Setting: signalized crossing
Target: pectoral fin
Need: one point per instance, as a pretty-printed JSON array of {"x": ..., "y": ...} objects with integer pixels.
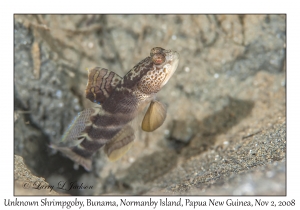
[
  {"x": 120, "y": 144},
  {"x": 154, "y": 117},
  {"x": 101, "y": 82}
]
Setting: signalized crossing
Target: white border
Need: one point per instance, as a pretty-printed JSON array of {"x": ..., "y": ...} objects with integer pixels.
[{"x": 151, "y": 6}]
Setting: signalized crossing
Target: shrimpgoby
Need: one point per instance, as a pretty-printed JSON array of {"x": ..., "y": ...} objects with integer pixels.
[{"x": 121, "y": 99}]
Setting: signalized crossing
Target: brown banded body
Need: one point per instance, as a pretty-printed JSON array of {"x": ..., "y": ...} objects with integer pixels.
[{"x": 119, "y": 101}]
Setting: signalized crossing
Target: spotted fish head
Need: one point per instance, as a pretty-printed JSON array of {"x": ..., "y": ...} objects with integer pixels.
[{"x": 163, "y": 64}]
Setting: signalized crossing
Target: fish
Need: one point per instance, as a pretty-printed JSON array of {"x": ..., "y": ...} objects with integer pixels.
[{"x": 119, "y": 101}]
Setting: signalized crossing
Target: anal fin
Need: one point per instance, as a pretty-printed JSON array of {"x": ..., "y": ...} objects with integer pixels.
[{"x": 120, "y": 144}]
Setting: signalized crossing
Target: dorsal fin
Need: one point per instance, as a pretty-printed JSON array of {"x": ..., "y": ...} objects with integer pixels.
[
  {"x": 78, "y": 125},
  {"x": 101, "y": 83}
]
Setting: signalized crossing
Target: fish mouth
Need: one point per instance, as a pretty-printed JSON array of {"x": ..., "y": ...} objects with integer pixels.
[
  {"x": 175, "y": 61},
  {"x": 172, "y": 65}
]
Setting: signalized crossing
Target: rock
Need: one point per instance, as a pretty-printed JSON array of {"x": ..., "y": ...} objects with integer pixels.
[{"x": 28, "y": 184}]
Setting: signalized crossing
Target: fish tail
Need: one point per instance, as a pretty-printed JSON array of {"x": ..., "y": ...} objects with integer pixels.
[{"x": 77, "y": 154}]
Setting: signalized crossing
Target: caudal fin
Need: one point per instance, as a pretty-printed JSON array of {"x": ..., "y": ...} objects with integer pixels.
[{"x": 67, "y": 151}]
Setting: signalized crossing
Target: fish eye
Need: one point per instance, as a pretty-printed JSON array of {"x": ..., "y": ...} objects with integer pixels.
[
  {"x": 158, "y": 59},
  {"x": 156, "y": 50}
]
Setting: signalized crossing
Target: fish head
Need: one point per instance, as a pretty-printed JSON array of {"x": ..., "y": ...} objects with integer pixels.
[{"x": 163, "y": 65}]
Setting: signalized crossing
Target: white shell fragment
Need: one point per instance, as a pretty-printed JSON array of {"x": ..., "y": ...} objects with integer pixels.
[{"x": 154, "y": 117}]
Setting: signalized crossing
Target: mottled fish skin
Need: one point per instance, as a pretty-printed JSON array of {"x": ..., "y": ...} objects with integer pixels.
[
  {"x": 121, "y": 100},
  {"x": 101, "y": 82}
]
